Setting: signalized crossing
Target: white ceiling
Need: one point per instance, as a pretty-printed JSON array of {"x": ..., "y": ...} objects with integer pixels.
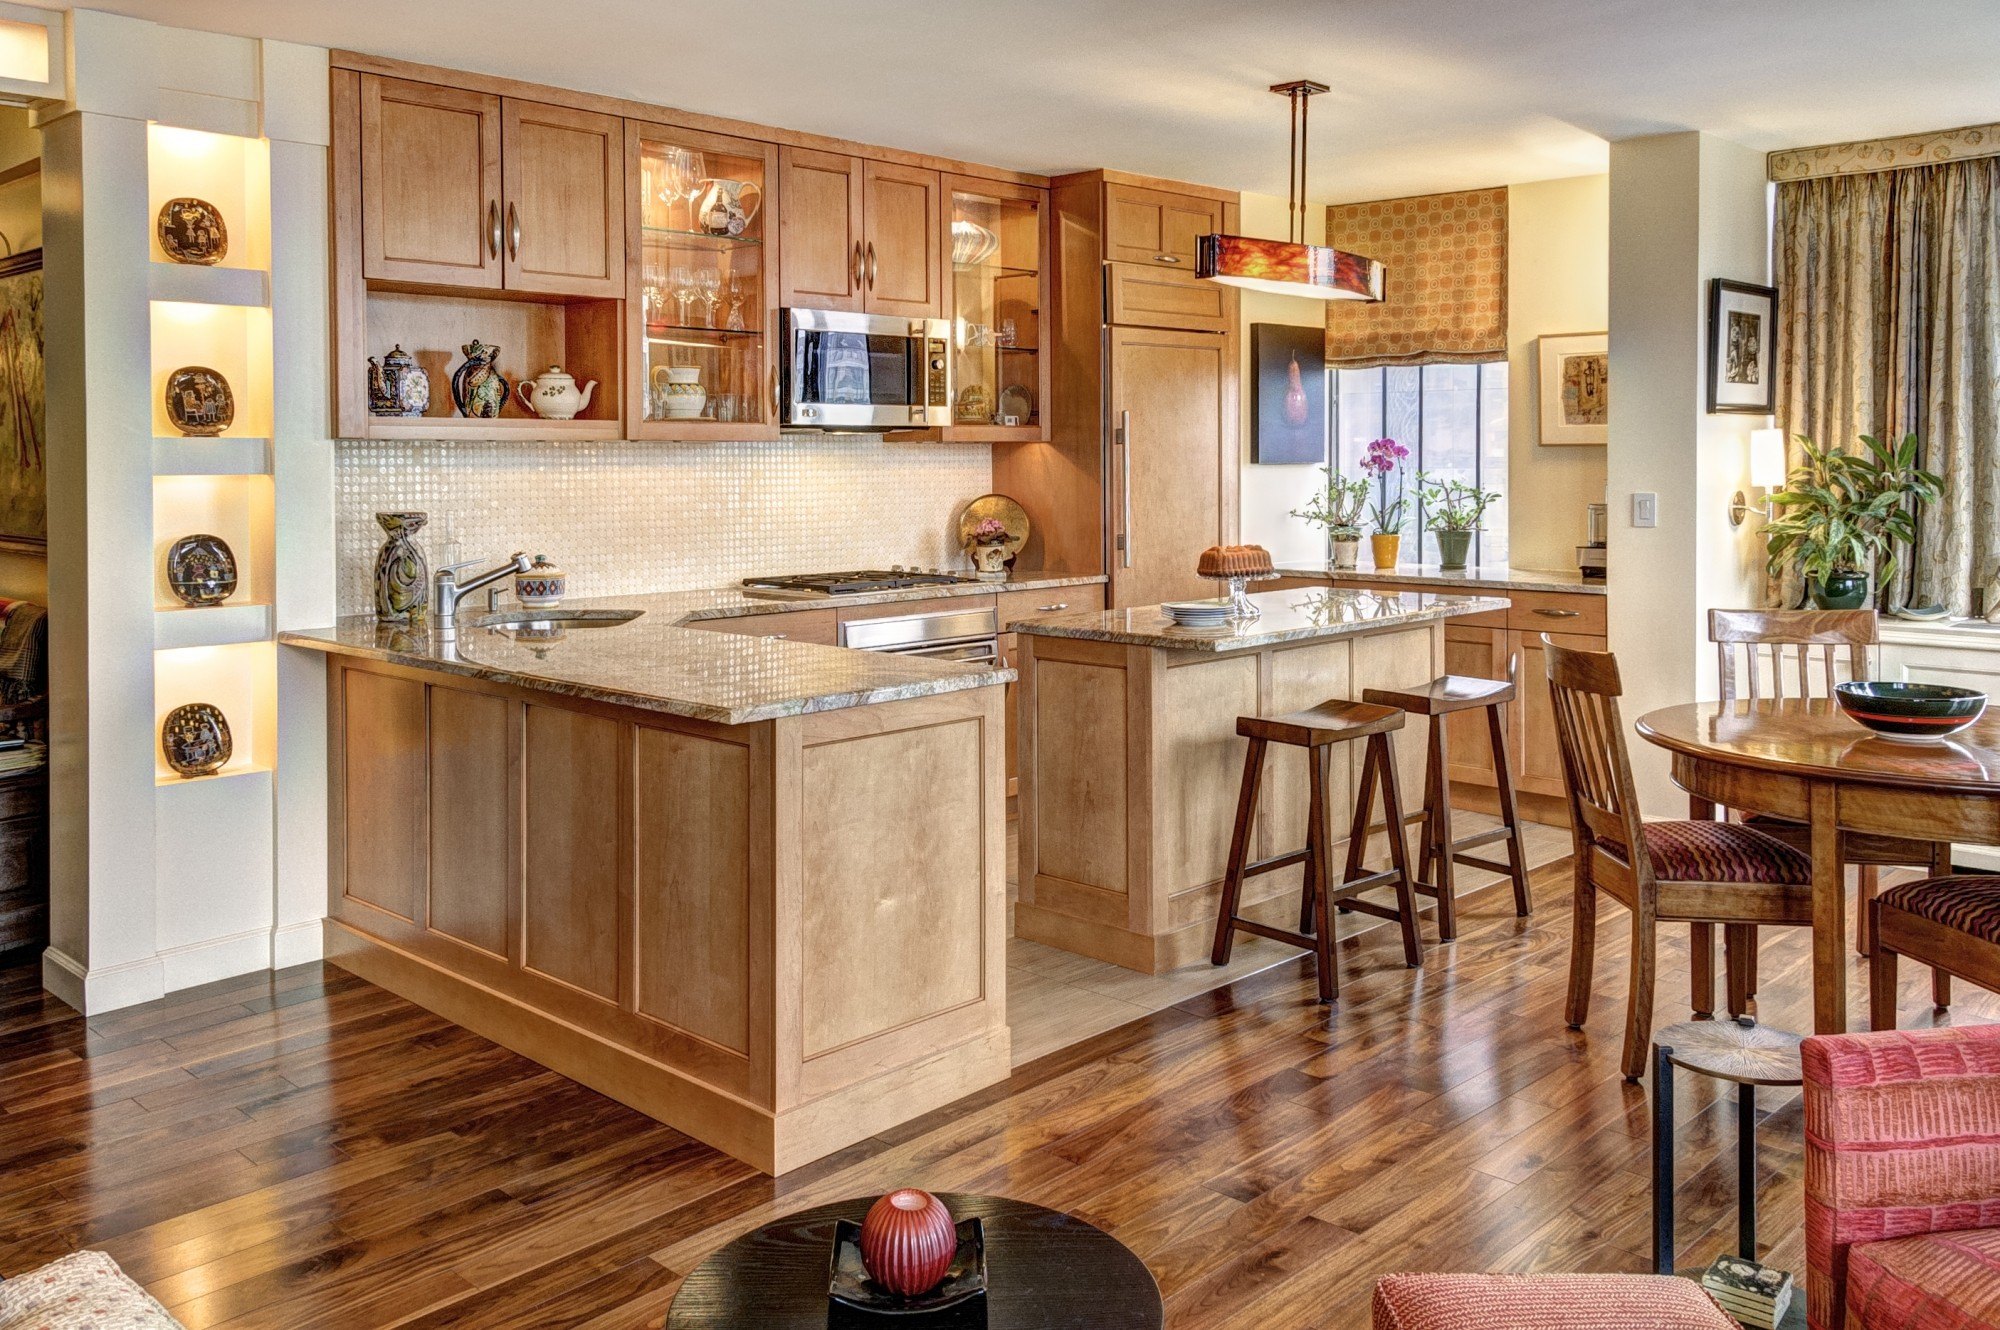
[{"x": 1428, "y": 94}]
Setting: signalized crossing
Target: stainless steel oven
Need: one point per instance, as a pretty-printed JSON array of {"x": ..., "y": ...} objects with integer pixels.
[
  {"x": 864, "y": 371},
  {"x": 972, "y": 636}
]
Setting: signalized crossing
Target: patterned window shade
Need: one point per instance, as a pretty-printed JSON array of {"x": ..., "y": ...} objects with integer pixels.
[{"x": 1445, "y": 300}]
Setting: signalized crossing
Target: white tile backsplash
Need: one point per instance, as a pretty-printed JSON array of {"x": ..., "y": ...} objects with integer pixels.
[{"x": 624, "y": 517}]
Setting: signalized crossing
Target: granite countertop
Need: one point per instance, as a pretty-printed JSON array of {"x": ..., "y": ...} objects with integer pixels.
[
  {"x": 1491, "y": 577},
  {"x": 656, "y": 663},
  {"x": 1288, "y": 616}
]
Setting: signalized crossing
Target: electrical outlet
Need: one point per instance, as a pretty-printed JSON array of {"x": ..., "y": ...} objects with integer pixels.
[{"x": 1645, "y": 510}]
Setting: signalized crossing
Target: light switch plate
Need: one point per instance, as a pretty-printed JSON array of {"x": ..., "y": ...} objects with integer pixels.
[{"x": 1645, "y": 510}]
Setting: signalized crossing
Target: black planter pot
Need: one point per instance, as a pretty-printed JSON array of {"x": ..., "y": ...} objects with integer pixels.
[{"x": 1840, "y": 591}]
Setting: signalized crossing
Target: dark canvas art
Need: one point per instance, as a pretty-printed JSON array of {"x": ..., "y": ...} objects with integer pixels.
[
  {"x": 1288, "y": 412},
  {"x": 24, "y": 519}
]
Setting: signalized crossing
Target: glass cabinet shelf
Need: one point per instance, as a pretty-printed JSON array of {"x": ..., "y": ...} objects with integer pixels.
[
  {"x": 669, "y": 235},
  {"x": 998, "y": 234}
]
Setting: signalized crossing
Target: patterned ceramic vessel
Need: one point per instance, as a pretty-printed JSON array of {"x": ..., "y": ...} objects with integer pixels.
[
  {"x": 1911, "y": 713},
  {"x": 543, "y": 585},
  {"x": 199, "y": 402},
  {"x": 191, "y": 231},
  {"x": 478, "y": 389},
  {"x": 554, "y": 395},
  {"x": 402, "y": 577},
  {"x": 195, "y": 739},
  {"x": 201, "y": 570},
  {"x": 397, "y": 385},
  {"x": 685, "y": 398},
  {"x": 907, "y": 1241}
]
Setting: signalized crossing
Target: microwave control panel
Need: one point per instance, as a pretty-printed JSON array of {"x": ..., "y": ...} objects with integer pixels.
[{"x": 939, "y": 393}]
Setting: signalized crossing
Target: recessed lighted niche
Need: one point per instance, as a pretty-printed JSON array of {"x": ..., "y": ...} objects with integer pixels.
[
  {"x": 231, "y": 173},
  {"x": 240, "y": 680}
]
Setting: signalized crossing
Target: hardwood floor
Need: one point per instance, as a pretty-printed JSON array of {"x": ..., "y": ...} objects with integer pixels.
[{"x": 306, "y": 1150}]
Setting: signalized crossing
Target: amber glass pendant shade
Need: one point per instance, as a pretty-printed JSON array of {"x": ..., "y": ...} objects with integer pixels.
[{"x": 1287, "y": 268}]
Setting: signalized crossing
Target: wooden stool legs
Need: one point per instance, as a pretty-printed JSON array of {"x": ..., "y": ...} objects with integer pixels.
[{"x": 1443, "y": 850}]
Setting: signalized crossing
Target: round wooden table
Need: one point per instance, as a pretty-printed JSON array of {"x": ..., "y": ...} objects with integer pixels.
[
  {"x": 1804, "y": 759},
  {"x": 1044, "y": 1269}
]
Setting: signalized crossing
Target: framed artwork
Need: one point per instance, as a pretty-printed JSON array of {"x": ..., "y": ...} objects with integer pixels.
[
  {"x": 1742, "y": 348},
  {"x": 24, "y": 514},
  {"x": 1574, "y": 372},
  {"x": 1288, "y": 410}
]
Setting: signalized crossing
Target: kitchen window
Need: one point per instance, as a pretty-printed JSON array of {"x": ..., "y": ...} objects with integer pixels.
[{"x": 1452, "y": 418}]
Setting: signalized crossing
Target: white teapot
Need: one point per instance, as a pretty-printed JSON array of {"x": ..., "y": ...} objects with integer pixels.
[{"x": 554, "y": 395}]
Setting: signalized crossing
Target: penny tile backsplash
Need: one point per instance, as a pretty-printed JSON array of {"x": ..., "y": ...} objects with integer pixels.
[{"x": 627, "y": 517}]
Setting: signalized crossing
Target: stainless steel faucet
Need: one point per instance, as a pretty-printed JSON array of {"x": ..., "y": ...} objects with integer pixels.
[{"x": 447, "y": 590}]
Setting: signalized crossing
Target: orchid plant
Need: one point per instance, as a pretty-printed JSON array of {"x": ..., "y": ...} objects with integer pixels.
[
  {"x": 1385, "y": 458},
  {"x": 1338, "y": 506}
]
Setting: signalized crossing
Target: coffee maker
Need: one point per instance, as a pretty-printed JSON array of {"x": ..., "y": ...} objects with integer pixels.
[{"x": 1590, "y": 555}]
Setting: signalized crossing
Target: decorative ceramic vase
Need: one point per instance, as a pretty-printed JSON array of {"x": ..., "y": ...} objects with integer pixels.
[
  {"x": 685, "y": 398},
  {"x": 195, "y": 739},
  {"x": 554, "y": 394},
  {"x": 478, "y": 389},
  {"x": 1346, "y": 553},
  {"x": 397, "y": 385},
  {"x": 990, "y": 560},
  {"x": 1453, "y": 547},
  {"x": 1840, "y": 591},
  {"x": 191, "y": 231},
  {"x": 1387, "y": 547},
  {"x": 199, "y": 402},
  {"x": 543, "y": 585},
  {"x": 720, "y": 208},
  {"x": 402, "y": 578},
  {"x": 201, "y": 570},
  {"x": 907, "y": 1241}
]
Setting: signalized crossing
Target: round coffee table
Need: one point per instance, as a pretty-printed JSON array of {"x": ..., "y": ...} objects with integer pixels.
[{"x": 1044, "y": 1269}]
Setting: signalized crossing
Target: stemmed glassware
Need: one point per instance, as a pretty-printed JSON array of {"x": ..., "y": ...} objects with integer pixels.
[
  {"x": 681, "y": 279},
  {"x": 682, "y": 172},
  {"x": 708, "y": 287},
  {"x": 735, "y": 323}
]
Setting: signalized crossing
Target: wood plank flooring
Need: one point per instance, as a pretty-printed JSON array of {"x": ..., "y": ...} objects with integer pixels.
[{"x": 306, "y": 1150}]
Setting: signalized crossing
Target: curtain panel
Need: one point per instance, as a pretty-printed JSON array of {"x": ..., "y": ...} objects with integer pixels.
[
  {"x": 1445, "y": 292},
  {"x": 1889, "y": 300}
]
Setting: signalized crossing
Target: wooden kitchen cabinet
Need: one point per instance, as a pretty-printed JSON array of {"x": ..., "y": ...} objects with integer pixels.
[
  {"x": 1474, "y": 653},
  {"x": 1156, "y": 226},
  {"x": 1538, "y": 756},
  {"x": 1173, "y": 482},
  {"x": 860, "y": 235},
  {"x": 563, "y": 173},
  {"x": 1148, "y": 296},
  {"x": 815, "y": 626},
  {"x": 430, "y": 184},
  {"x": 902, "y": 260},
  {"x": 995, "y": 239}
]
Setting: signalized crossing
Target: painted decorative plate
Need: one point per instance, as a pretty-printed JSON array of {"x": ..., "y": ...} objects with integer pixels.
[
  {"x": 191, "y": 231},
  {"x": 201, "y": 569},
  {"x": 1000, "y": 506},
  {"x": 199, "y": 401}
]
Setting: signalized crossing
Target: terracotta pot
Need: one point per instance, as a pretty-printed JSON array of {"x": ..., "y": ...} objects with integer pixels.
[
  {"x": 907, "y": 1241},
  {"x": 1387, "y": 548}
]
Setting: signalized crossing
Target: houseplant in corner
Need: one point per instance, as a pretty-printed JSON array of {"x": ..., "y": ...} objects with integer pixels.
[
  {"x": 1338, "y": 507},
  {"x": 1843, "y": 515},
  {"x": 1385, "y": 458},
  {"x": 1452, "y": 510}
]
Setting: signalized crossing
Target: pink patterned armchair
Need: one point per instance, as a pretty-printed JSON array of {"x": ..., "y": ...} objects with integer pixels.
[{"x": 1903, "y": 1179}]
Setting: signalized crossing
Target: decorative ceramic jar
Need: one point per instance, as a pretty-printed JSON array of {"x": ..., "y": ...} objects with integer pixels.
[
  {"x": 201, "y": 570},
  {"x": 397, "y": 385},
  {"x": 191, "y": 231},
  {"x": 195, "y": 739},
  {"x": 719, "y": 206},
  {"x": 199, "y": 402},
  {"x": 1453, "y": 548},
  {"x": 684, "y": 397},
  {"x": 990, "y": 546},
  {"x": 1387, "y": 547},
  {"x": 542, "y": 586},
  {"x": 554, "y": 395},
  {"x": 402, "y": 578},
  {"x": 478, "y": 389},
  {"x": 1840, "y": 591},
  {"x": 907, "y": 1241}
]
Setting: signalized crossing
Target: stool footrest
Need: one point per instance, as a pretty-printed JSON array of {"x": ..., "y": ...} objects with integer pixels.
[
  {"x": 1490, "y": 865},
  {"x": 1478, "y": 838},
  {"x": 1370, "y": 907},
  {"x": 1274, "y": 863},
  {"x": 1273, "y": 932}
]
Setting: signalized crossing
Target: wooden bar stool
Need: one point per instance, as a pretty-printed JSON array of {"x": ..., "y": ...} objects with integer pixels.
[
  {"x": 1319, "y": 730},
  {"x": 1442, "y": 851}
]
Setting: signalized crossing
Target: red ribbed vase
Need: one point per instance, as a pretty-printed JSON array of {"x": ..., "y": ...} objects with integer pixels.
[{"x": 907, "y": 1241}]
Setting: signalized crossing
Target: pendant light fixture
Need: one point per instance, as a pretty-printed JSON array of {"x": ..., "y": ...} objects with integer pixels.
[{"x": 1290, "y": 267}]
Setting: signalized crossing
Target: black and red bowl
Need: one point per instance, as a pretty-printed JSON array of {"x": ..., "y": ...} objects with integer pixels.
[{"x": 1911, "y": 712}]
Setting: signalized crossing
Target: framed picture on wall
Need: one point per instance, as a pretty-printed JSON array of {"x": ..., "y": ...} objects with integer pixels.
[
  {"x": 24, "y": 519},
  {"x": 1742, "y": 347},
  {"x": 1288, "y": 412},
  {"x": 1573, "y": 371}
]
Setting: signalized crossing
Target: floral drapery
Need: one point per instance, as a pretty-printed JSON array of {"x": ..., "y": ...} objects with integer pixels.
[
  {"x": 1445, "y": 293},
  {"x": 1889, "y": 301}
]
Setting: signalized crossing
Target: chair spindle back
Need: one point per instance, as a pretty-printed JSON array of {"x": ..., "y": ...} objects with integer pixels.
[
  {"x": 1584, "y": 689},
  {"x": 1810, "y": 642}
]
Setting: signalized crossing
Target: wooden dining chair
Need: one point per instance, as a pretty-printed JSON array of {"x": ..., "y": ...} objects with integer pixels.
[
  {"x": 1691, "y": 872},
  {"x": 1811, "y": 647}
]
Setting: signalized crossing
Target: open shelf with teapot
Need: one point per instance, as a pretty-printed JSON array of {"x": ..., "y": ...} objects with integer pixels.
[
  {"x": 702, "y": 288},
  {"x": 997, "y": 239}
]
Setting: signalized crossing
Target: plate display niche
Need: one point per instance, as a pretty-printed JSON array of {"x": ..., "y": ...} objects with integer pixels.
[
  {"x": 195, "y": 739},
  {"x": 201, "y": 570},
  {"x": 199, "y": 402}
]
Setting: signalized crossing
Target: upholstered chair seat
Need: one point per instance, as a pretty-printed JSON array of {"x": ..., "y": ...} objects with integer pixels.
[
  {"x": 1544, "y": 1302},
  {"x": 1941, "y": 1279},
  {"x": 1723, "y": 852},
  {"x": 1967, "y": 902}
]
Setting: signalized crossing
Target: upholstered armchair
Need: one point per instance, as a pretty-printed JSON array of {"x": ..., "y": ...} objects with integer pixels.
[{"x": 1903, "y": 1179}]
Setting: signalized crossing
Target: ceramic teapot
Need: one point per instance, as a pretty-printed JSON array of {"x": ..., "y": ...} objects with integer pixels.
[
  {"x": 720, "y": 207},
  {"x": 554, "y": 395}
]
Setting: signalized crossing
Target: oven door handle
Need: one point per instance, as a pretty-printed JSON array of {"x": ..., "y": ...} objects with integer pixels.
[{"x": 970, "y": 653}]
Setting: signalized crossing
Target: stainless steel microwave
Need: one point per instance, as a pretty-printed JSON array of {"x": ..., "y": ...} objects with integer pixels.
[{"x": 864, "y": 371}]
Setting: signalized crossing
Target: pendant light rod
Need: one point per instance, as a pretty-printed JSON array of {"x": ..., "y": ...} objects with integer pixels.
[{"x": 1298, "y": 92}]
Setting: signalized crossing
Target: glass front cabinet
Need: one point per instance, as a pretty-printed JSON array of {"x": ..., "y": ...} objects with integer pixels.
[
  {"x": 702, "y": 276},
  {"x": 999, "y": 293}
]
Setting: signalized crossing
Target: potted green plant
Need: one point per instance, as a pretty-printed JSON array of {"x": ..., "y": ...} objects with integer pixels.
[
  {"x": 1385, "y": 458},
  {"x": 1452, "y": 510},
  {"x": 1338, "y": 507},
  {"x": 1843, "y": 514}
]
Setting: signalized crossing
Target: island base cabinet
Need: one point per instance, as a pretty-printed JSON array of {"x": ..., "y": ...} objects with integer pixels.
[{"x": 780, "y": 938}]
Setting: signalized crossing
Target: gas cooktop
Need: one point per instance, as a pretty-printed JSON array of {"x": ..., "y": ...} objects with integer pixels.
[{"x": 855, "y": 583}]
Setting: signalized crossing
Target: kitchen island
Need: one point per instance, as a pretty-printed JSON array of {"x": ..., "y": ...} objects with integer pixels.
[
  {"x": 1130, "y": 763},
  {"x": 754, "y": 887}
]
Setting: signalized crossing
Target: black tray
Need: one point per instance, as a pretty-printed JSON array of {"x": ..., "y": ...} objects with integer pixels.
[{"x": 959, "y": 1301}]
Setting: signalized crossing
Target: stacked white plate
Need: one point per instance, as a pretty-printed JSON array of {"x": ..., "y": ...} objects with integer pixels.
[{"x": 1198, "y": 613}]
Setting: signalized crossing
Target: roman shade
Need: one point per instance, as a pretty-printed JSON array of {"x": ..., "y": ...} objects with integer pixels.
[{"x": 1446, "y": 296}]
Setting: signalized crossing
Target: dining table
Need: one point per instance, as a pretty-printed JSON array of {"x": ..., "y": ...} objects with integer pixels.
[{"x": 1806, "y": 760}]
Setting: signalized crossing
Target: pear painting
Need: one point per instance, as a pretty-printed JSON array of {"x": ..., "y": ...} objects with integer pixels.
[
  {"x": 1288, "y": 410},
  {"x": 1296, "y": 410}
]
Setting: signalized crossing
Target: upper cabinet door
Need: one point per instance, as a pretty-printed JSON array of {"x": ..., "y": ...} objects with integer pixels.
[
  {"x": 564, "y": 229},
  {"x": 902, "y": 266},
  {"x": 1155, "y": 226},
  {"x": 819, "y": 227},
  {"x": 430, "y": 183}
]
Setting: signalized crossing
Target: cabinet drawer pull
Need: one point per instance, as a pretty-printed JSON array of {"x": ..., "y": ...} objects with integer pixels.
[
  {"x": 1560, "y": 614},
  {"x": 493, "y": 227},
  {"x": 513, "y": 232},
  {"x": 871, "y": 265},
  {"x": 777, "y": 404},
  {"x": 1166, "y": 258},
  {"x": 857, "y": 265},
  {"x": 1052, "y": 609},
  {"x": 1125, "y": 486}
]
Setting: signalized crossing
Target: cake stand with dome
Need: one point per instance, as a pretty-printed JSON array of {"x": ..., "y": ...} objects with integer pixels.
[{"x": 1235, "y": 567}]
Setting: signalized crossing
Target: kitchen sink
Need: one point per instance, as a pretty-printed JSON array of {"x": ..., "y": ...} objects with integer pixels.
[{"x": 543, "y": 623}]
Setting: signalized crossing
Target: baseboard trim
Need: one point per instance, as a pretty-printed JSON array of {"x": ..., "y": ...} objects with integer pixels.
[
  {"x": 298, "y": 944},
  {"x": 110, "y": 988}
]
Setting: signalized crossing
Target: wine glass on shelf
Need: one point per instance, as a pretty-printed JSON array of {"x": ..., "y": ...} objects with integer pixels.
[
  {"x": 680, "y": 172},
  {"x": 681, "y": 280},
  {"x": 735, "y": 321},
  {"x": 708, "y": 286}
]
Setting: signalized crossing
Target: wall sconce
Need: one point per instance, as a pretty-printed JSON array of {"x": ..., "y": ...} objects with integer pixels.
[{"x": 1767, "y": 473}]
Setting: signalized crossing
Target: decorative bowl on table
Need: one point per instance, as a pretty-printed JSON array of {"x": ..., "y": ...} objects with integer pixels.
[{"x": 1908, "y": 713}]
